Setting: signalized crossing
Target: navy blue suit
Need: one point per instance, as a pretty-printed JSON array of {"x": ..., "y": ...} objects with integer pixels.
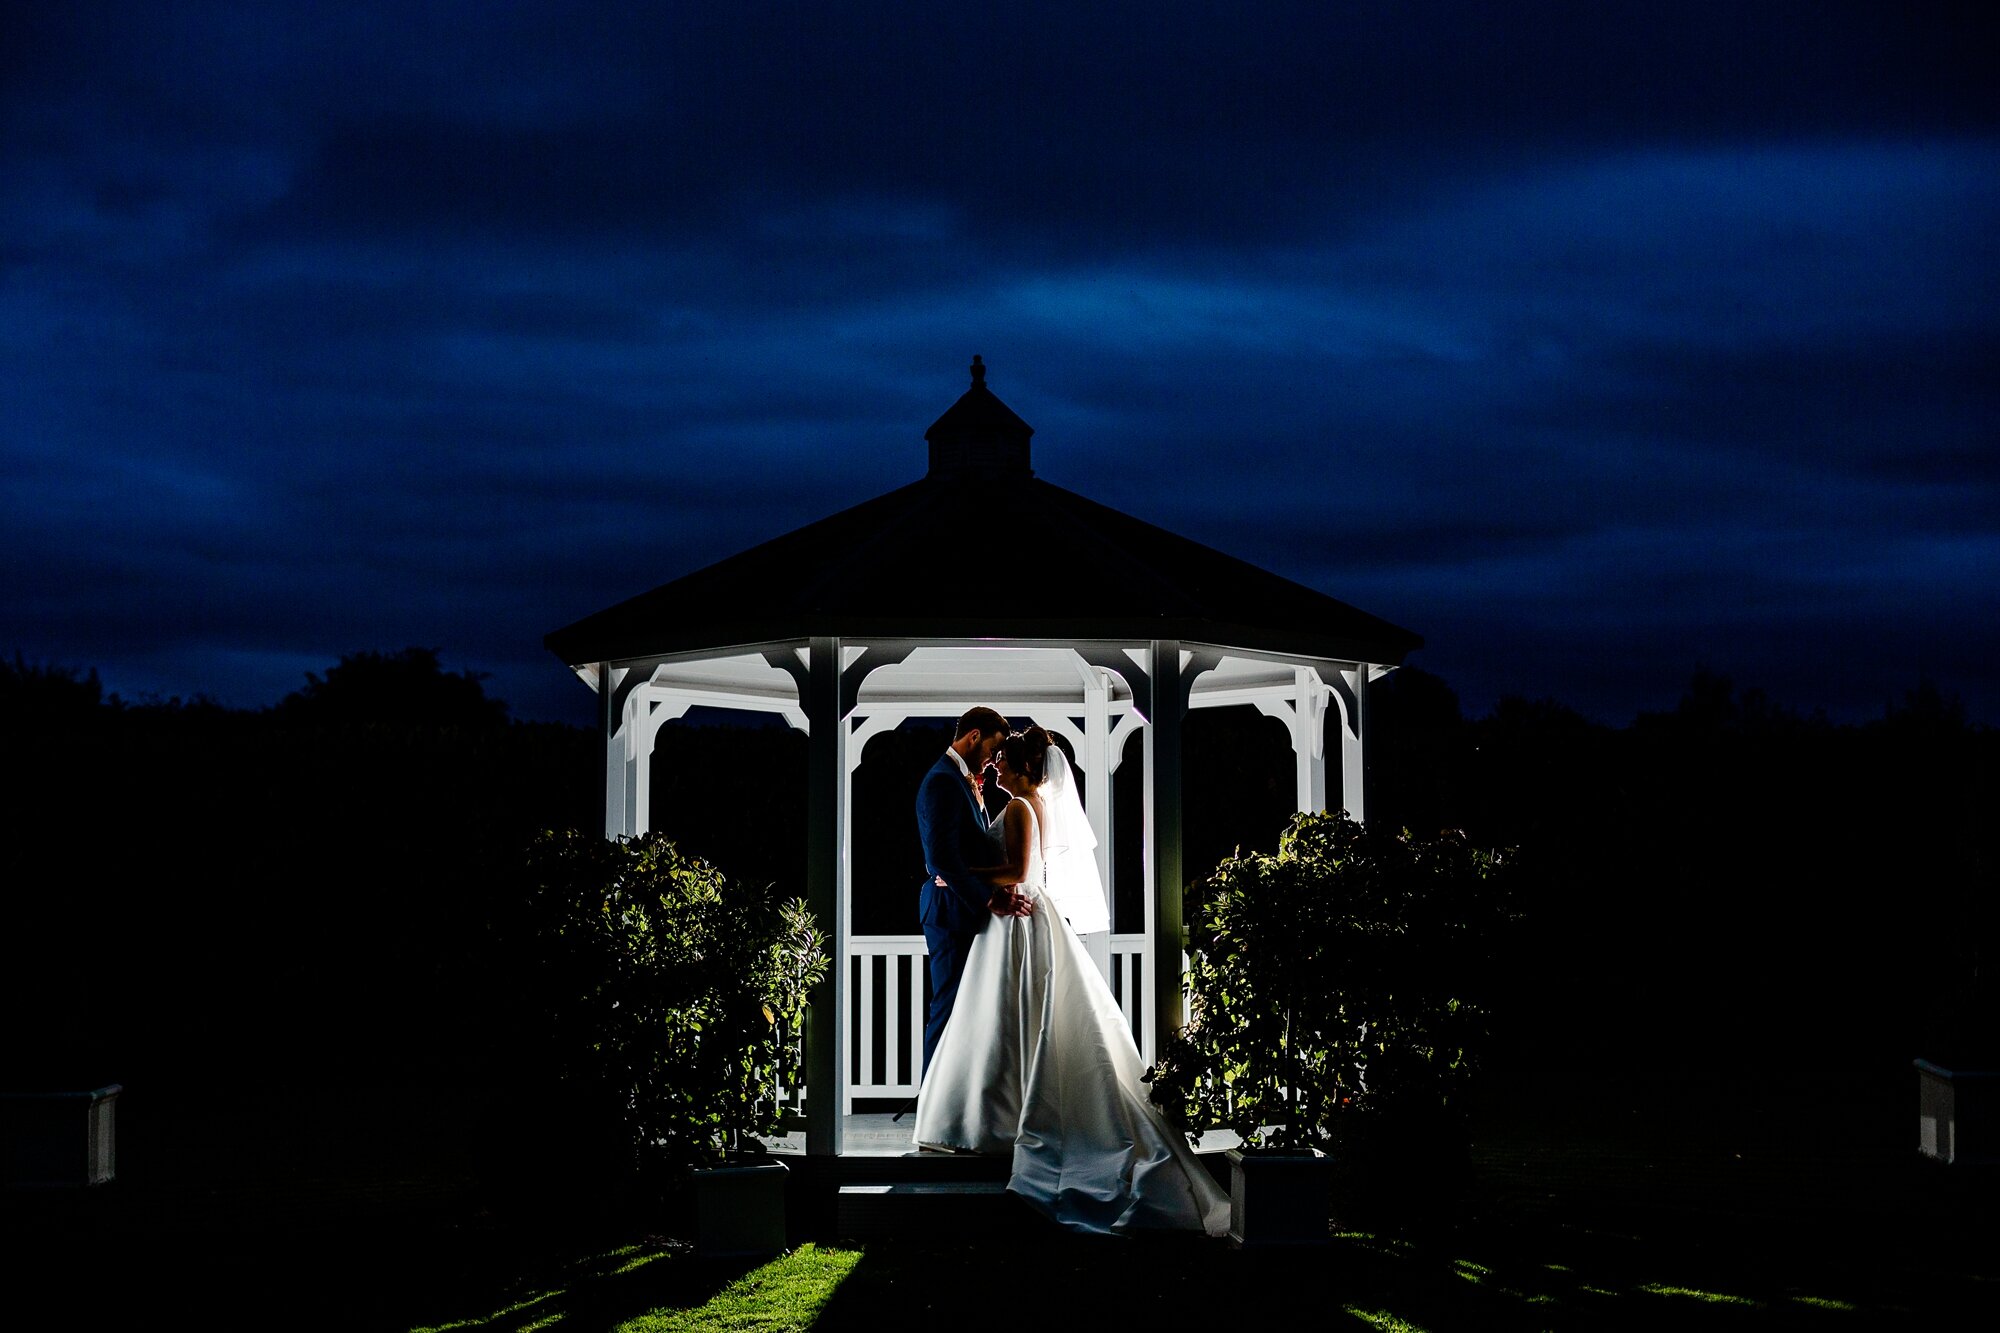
[{"x": 953, "y": 830}]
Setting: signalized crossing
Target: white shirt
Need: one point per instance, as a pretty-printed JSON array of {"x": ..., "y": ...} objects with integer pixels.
[{"x": 978, "y": 792}]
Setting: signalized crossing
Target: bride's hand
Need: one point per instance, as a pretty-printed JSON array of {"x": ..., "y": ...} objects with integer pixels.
[{"x": 1007, "y": 902}]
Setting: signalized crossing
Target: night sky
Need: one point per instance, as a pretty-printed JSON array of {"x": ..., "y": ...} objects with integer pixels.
[{"x": 1596, "y": 343}]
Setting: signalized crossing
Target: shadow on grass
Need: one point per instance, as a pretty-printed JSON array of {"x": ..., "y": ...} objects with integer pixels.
[
  {"x": 599, "y": 1290},
  {"x": 1360, "y": 1280}
]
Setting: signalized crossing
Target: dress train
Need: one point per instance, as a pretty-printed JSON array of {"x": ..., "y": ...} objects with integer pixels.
[{"x": 1037, "y": 1062}]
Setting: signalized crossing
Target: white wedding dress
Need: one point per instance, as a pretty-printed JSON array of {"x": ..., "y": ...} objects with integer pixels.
[{"x": 1037, "y": 1062}]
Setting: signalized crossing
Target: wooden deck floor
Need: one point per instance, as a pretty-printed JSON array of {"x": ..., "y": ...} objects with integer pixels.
[{"x": 880, "y": 1134}]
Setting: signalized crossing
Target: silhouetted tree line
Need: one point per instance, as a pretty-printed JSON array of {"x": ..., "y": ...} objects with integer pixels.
[
  {"x": 198, "y": 891},
  {"x": 321, "y": 888},
  {"x": 1731, "y": 880}
]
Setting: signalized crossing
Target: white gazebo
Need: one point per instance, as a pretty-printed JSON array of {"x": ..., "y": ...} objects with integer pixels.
[{"x": 851, "y": 625}]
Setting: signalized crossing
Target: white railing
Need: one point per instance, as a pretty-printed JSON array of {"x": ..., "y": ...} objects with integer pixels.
[
  {"x": 1128, "y": 987},
  {"x": 887, "y": 999},
  {"x": 885, "y": 977}
]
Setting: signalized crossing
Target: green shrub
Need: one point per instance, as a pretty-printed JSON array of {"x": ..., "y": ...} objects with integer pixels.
[
  {"x": 1344, "y": 976},
  {"x": 677, "y": 996}
]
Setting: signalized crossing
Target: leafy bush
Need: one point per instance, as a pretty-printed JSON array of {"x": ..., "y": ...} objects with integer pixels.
[
  {"x": 676, "y": 995},
  {"x": 1346, "y": 975}
]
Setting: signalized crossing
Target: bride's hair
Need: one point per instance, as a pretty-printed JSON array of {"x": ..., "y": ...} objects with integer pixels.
[{"x": 1027, "y": 752}]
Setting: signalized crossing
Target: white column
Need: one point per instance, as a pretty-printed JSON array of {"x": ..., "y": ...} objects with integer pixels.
[
  {"x": 1095, "y": 760},
  {"x": 1303, "y": 712},
  {"x": 1143, "y": 1000},
  {"x": 620, "y": 778},
  {"x": 847, "y": 760},
  {"x": 1309, "y": 738},
  {"x": 618, "y": 797},
  {"x": 1164, "y": 738},
  {"x": 641, "y": 736},
  {"x": 1353, "y": 696},
  {"x": 826, "y": 821}
]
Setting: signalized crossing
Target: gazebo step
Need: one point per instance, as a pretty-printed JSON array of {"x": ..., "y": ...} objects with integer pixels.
[
  {"x": 933, "y": 1209},
  {"x": 924, "y": 1168}
]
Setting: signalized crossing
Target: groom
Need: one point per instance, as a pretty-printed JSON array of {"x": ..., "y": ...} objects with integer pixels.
[{"x": 954, "y": 903}]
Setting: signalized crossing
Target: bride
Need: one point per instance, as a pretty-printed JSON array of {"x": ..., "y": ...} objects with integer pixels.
[{"x": 1037, "y": 1060}]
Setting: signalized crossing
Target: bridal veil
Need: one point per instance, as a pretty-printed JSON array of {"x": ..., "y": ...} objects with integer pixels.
[{"x": 1068, "y": 849}]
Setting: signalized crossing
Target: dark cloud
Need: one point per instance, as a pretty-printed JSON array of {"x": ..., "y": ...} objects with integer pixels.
[{"x": 1594, "y": 342}]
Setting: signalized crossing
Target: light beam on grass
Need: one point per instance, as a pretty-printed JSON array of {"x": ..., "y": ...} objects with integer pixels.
[
  {"x": 1693, "y": 1294},
  {"x": 639, "y": 1262},
  {"x": 1383, "y": 1320},
  {"x": 783, "y": 1296}
]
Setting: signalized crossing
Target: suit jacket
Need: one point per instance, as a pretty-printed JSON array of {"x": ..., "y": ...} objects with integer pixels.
[{"x": 955, "y": 837}]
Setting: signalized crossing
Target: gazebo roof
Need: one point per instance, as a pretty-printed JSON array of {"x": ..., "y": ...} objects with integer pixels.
[{"x": 892, "y": 568}]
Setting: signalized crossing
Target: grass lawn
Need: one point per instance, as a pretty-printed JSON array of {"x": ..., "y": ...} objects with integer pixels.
[{"x": 1596, "y": 1202}]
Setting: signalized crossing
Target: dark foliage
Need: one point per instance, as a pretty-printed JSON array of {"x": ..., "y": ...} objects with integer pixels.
[
  {"x": 675, "y": 997},
  {"x": 43, "y": 696},
  {"x": 1349, "y": 974},
  {"x": 392, "y": 690}
]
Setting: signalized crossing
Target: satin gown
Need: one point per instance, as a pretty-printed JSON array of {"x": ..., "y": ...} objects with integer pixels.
[{"x": 1037, "y": 1063}]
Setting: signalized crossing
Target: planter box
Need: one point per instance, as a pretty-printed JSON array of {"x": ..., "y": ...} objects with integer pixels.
[
  {"x": 59, "y": 1138},
  {"x": 739, "y": 1210},
  {"x": 1279, "y": 1198},
  {"x": 1958, "y": 1114}
]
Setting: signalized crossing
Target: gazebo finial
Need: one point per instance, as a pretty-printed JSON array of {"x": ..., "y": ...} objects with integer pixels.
[{"x": 979, "y": 433}]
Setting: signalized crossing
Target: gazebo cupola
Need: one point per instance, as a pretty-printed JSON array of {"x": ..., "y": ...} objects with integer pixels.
[
  {"x": 869, "y": 618},
  {"x": 979, "y": 434}
]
